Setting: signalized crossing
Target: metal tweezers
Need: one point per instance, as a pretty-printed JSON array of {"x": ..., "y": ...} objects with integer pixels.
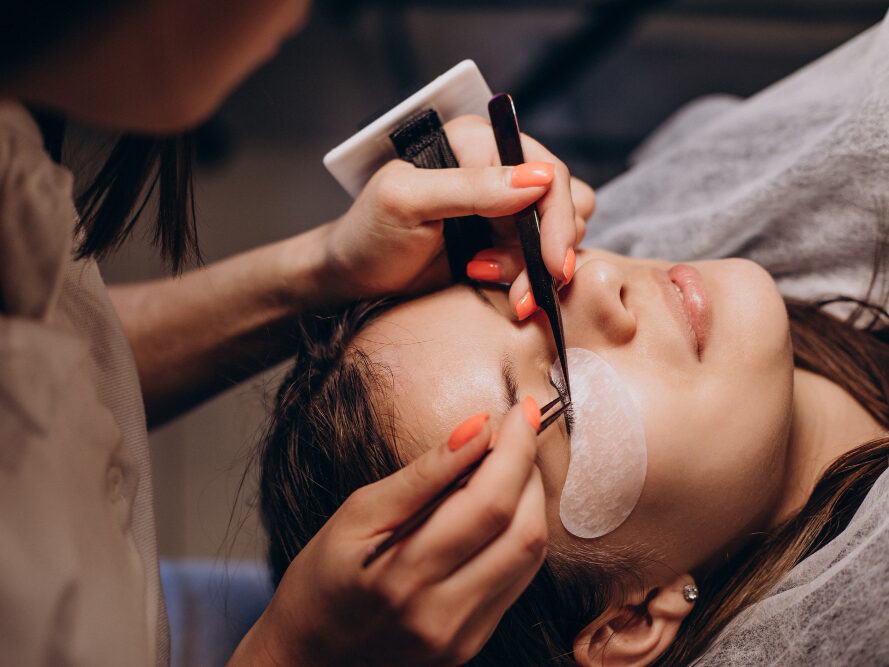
[{"x": 543, "y": 287}]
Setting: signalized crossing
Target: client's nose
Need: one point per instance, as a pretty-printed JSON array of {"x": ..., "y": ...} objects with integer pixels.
[{"x": 593, "y": 308}]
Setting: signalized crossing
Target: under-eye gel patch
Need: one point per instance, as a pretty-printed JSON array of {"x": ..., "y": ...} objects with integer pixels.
[{"x": 608, "y": 454}]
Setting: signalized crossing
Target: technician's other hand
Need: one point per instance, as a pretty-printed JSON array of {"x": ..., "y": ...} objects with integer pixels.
[
  {"x": 390, "y": 240},
  {"x": 434, "y": 598}
]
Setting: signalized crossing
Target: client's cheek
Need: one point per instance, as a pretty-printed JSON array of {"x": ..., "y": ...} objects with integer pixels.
[{"x": 608, "y": 458}]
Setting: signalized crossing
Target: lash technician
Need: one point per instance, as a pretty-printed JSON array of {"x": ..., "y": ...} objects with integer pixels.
[{"x": 84, "y": 368}]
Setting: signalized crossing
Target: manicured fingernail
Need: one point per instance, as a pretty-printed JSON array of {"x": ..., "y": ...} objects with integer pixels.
[
  {"x": 467, "y": 431},
  {"x": 526, "y": 306},
  {"x": 532, "y": 412},
  {"x": 569, "y": 265},
  {"x": 532, "y": 174},
  {"x": 479, "y": 269}
]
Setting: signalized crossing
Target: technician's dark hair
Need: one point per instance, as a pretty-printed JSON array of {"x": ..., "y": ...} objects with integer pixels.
[
  {"x": 138, "y": 169},
  {"x": 329, "y": 434}
]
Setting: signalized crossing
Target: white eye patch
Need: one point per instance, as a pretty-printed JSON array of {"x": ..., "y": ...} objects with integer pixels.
[{"x": 608, "y": 454}]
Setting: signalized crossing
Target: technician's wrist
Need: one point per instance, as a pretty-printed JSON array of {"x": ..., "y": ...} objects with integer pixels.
[
  {"x": 254, "y": 650},
  {"x": 311, "y": 279},
  {"x": 262, "y": 647},
  {"x": 346, "y": 274}
]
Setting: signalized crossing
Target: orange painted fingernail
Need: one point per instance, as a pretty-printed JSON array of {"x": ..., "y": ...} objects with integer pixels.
[
  {"x": 569, "y": 265},
  {"x": 479, "y": 269},
  {"x": 532, "y": 412},
  {"x": 526, "y": 306},
  {"x": 467, "y": 431},
  {"x": 532, "y": 174}
]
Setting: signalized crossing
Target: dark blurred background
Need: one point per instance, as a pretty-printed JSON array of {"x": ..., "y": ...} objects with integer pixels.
[{"x": 591, "y": 80}]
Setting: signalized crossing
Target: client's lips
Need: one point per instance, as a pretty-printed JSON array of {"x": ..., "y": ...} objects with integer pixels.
[{"x": 695, "y": 301}]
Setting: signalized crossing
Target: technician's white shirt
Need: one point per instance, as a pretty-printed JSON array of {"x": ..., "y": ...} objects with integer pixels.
[{"x": 79, "y": 579}]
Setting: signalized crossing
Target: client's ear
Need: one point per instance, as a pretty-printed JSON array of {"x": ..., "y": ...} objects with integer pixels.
[{"x": 637, "y": 632}]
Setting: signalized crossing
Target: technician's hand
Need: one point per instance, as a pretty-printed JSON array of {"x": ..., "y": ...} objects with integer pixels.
[
  {"x": 390, "y": 240},
  {"x": 434, "y": 598},
  {"x": 564, "y": 210}
]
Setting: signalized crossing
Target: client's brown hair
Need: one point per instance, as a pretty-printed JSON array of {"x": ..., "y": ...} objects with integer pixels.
[{"x": 327, "y": 438}]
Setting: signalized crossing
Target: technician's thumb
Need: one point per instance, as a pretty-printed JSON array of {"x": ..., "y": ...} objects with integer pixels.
[
  {"x": 401, "y": 494},
  {"x": 433, "y": 194}
]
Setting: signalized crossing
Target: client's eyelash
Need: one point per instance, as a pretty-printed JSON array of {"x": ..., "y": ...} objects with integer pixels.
[{"x": 559, "y": 385}]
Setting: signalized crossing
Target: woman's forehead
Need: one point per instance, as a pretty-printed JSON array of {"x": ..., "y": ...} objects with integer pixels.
[
  {"x": 433, "y": 320},
  {"x": 440, "y": 360}
]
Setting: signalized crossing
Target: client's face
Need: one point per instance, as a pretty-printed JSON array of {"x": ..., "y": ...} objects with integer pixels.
[{"x": 713, "y": 389}]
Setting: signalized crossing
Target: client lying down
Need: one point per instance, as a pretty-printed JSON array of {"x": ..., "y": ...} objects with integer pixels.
[
  {"x": 742, "y": 401},
  {"x": 722, "y": 436}
]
